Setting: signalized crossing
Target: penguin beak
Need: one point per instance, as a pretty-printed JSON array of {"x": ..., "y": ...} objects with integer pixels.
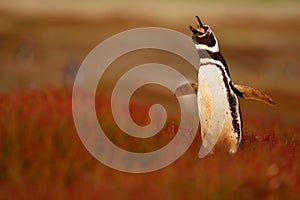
[
  {"x": 200, "y": 30},
  {"x": 200, "y": 26}
]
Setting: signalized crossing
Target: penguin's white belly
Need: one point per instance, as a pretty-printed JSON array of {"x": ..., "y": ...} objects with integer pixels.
[{"x": 215, "y": 112}]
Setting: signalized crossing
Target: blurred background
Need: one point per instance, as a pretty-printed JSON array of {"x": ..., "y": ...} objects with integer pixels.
[
  {"x": 42, "y": 41},
  {"x": 42, "y": 44}
]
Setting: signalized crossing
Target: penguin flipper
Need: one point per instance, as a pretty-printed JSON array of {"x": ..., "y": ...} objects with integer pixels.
[
  {"x": 186, "y": 89},
  {"x": 243, "y": 91},
  {"x": 251, "y": 93}
]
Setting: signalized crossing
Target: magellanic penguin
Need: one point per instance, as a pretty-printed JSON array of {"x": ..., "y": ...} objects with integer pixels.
[{"x": 215, "y": 87}]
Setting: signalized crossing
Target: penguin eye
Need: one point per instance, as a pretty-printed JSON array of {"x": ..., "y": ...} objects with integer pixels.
[{"x": 206, "y": 29}]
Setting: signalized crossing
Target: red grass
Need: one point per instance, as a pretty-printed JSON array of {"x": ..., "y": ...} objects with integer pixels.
[{"x": 42, "y": 157}]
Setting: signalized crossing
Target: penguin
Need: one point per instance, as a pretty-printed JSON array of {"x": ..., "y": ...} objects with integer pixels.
[{"x": 215, "y": 87}]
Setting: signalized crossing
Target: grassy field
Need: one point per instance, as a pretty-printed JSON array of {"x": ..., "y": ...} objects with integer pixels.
[
  {"x": 43, "y": 157},
  {"x": 41, "y": 154}
]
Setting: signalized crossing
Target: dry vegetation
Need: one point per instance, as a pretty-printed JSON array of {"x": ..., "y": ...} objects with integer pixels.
[{"x": 43, "y": 157}]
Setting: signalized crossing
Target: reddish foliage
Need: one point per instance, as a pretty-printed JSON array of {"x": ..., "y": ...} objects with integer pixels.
[{"x": 42, "y": 157}]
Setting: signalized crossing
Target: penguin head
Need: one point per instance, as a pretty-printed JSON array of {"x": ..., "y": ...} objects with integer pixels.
[{"x": 203, "y": 37}]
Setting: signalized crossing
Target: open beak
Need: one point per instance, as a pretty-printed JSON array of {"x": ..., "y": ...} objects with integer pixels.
[{"x": 200, "y": 28}]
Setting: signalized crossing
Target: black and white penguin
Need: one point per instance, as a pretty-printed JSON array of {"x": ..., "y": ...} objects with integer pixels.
[{"x": 217, "y": 95}]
